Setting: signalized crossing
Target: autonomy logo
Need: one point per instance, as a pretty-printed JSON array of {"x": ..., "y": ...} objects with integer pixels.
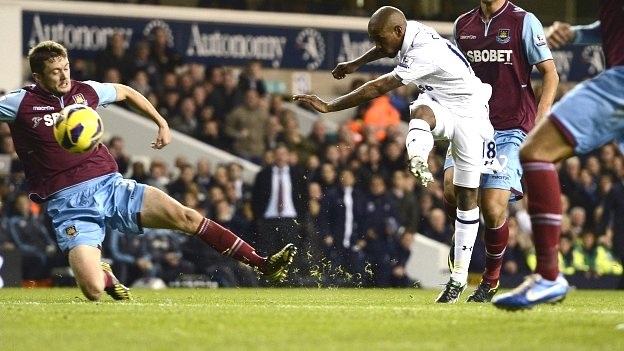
[
  {"x": 594, "y": 56},
  {"x": 312, "y": 43},
  {"x": 149, "y": 28}
]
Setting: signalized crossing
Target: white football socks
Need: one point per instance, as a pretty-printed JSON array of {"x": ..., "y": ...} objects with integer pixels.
[
  {"x": 419, "y": 140},
  {"x": 466, "y": 230}
]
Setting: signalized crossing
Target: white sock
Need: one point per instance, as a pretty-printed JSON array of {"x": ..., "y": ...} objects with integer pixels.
[
  {"x": 466, "y": 230},
  {"x": 419, "y": 140}
]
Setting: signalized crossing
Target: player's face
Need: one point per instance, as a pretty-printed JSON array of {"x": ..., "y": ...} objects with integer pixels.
[
  {"x": 55, "y": 78},
  {"x": 387, "y": 42}
]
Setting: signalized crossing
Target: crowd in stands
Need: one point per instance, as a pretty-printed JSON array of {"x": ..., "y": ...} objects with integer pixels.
[{"x": 361, "y": 166}]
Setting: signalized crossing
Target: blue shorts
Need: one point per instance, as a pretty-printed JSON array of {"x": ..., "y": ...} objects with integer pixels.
[
  {"x": 507, "y": 143},
  {"x": 81, "y": 213},
  {"x": 592, "y": 114}
]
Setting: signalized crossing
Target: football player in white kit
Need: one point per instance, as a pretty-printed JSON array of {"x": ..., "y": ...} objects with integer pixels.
[{"x": 453, "y": 106}]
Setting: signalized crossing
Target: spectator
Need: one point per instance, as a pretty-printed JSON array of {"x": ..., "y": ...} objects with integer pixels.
[
  {"x": 115, "y": 55},
  {"x": 158, "y": 175},
  {"x": 578, "y": 219},
  {"x": 16, "y": 168},
  {"x": 183, "y": 184},
  {"x": 251, "y": 79},
  {"x": 437, "y": 227},
  {"x": 566, "y": 255},
  {"x": 320, "y": 137},
  {"x": 235, "y": 175},
  {"x": 6, "y": 240},
  {"x": 246, "y": 125},
  {"x": 139, "y": 173},
  {"x": 131, "y": 257},
  {"x": 594, "y": 259},
  {"x": 291, "y": 136},
  {"x": 140, "y": 82},
  {"x": 381, "y": 228},
  {"x": 32, "y": 238},
  {"x": 186, "y": 121},
  {"x": 170, "y": 103},
  {"x": 164, "y": 249},
  {"x": 161, "y": 51},
  {"x": 141, "y": 61},
  {"x": 405, "y": 201},
  {"x": 400, "y": 255},
  {"x": 514, "y": 257},
  {"x": 342, "y": 219},
  {"x": 279, "y": 201},
  {"x": 117, "y": 150}
]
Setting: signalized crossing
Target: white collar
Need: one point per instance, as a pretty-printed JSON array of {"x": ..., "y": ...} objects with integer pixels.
[{"x": 411, "y": 31}]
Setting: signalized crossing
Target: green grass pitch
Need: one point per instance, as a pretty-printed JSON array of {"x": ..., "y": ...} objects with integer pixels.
[{"x": 301, "y": 319}]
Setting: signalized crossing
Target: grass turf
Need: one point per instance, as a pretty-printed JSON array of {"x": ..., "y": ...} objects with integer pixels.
[{"x": 302, "y": 319}]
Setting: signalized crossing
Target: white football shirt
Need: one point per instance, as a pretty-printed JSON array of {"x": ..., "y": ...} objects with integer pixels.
[{"x": 438, "y": 68}]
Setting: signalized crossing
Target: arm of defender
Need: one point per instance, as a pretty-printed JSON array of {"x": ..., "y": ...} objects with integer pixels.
[
  {"x": 139, "y": 101},
  {"x": 550, "y": 80}
]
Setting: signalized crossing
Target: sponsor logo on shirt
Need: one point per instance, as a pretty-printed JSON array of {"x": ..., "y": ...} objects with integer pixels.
[
  {"x": 489, "y": 55},
  {"x": 539, "y": 39},
  {"x": 503, "y": 36},
  {"x": 406, "y": 62},
  {"x": 79, "y": 99},
  {"x": 36, "y": 121},
  {"x": 43, "y": 108},
  {"x": 71, "y": 231},
  {"x": 468, "y": 36}
]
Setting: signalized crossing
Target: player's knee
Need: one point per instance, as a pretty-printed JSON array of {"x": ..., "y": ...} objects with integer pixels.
[
  {"x": 92, "y": 290},
  {"x": 425, "y": 113},
  {"x": 449, "y": 195},
  {"x": 525, "y": 152},
  {"x": 493, "y": 217},
  {"x": 190, "y": 219}
]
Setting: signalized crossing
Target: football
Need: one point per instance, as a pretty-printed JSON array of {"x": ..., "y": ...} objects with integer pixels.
[{"x": 78, "y": 129}]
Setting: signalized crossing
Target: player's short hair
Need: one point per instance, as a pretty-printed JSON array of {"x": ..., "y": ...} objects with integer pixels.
[{"x": 44, "y": 52}]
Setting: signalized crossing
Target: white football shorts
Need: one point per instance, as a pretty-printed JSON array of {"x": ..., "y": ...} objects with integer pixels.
[{"x": 466, "y": 129}]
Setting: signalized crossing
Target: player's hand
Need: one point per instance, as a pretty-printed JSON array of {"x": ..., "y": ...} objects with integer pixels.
[
  {"x": 559, "y": 34},
  {"x": 342, "y": 69},
  {"x": 314, "y": 101},
  {"x": 163, "y": 139}
]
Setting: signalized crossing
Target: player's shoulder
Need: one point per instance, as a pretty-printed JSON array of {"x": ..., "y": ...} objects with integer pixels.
[
  {"x": 14, "y": 95},
  {"x": 464, "y": 17}
]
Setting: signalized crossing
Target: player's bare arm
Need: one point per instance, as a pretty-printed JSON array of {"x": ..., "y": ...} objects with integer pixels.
[
  {"x": 558, "y": 34},
  {"x": 342, "y": 69},
  {"x": 366, "y": 92},
  {"x": 550, "y": 80},
  {"x": 139, "y": 101}
]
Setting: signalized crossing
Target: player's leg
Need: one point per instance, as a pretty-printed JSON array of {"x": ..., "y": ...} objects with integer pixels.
[
  {"x": 586, "y": 118},
  {"x": 450, "y": 202},
  {"x": 466, "y": 144},
  {"x": 85, "y": 263},
  {"x": 497, "y": 189},
  {"x": 93, "y": 276},
  {"x": 494, "y": 210},
  {"x": 419, "y": 140},
  {"x": 79, "y": 227},
  {"x": 159, "y": 210},
  {"x": 545, "y": 144}
]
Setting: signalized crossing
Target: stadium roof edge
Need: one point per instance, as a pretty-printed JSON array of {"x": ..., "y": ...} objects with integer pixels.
[{"x": 207, "y": 15}]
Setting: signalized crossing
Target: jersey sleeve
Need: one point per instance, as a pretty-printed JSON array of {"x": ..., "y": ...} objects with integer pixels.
[
  {"x": 9, "y": 104},
  {"x": 105, "y": 91},
  {"x": 588, "y": 34},
  {"x": 413, "y": 65},
  {"x": 534, "y": 40}
]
